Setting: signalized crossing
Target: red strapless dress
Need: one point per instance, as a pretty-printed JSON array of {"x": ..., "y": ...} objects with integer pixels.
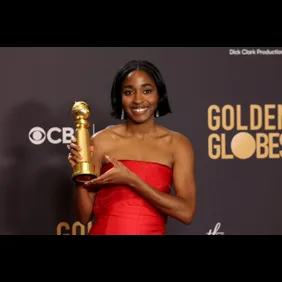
[{"x": 119, "y": 210}]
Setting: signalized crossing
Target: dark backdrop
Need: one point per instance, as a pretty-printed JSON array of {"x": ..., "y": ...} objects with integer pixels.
[{"x": 214, "y": 93}]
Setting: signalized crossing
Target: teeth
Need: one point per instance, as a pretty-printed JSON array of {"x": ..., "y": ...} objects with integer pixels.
[{"x": 139, "y": 110}]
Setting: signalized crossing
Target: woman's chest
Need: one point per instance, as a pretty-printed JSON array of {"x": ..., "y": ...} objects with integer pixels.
[{"x": 158, "y": 151}]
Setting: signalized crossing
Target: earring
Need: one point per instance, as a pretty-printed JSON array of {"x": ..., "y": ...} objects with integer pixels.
[
  {"x": 122, "y": 114},
  {"x": 157, "y": 113}
]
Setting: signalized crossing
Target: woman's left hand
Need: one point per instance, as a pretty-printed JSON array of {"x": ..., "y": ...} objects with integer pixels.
[{"x": 118, "y": 174}]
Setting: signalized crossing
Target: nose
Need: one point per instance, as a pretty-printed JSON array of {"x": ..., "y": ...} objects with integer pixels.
[{"x": 138, "y": 98}]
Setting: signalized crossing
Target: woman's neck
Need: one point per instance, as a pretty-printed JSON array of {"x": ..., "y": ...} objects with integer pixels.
[{"x": 141, "y": 129}]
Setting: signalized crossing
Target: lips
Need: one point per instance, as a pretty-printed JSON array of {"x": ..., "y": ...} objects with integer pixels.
[{"x": 139, "y": 110}]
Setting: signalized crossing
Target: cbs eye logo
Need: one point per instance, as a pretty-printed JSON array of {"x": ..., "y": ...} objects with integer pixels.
[
  {"x": 37, "y": 135},
  {"x": 55, "y": 135}
]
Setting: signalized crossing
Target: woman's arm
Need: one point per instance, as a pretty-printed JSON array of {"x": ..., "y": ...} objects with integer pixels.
[
  {"x": 181, "y": 206},
  {"x": 83, "y": 202}
]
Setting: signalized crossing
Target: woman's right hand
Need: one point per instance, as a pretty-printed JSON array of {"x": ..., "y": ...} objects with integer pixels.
[{"x": 74, "y": 156}]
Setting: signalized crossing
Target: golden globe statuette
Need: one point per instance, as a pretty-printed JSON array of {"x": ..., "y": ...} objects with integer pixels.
[{"x": 82, "y": 171}]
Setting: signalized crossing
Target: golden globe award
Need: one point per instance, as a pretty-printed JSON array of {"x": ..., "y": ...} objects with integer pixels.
[{"x": 84, "y": 170}]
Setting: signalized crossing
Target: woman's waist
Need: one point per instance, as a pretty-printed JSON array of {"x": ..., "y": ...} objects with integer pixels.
[
  {"x": 131, "y": 220},
  {"x": 132, "y": 208},
  {"x": 123, "y": 224}
]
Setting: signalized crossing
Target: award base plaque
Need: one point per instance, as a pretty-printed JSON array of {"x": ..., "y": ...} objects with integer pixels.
[{"x": 84, "y": 170}]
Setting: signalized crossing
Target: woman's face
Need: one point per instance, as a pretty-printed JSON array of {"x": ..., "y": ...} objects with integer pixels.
[{"x": 139, "y": 96}]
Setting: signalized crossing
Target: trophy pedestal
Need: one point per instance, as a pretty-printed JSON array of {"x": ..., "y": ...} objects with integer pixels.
[{"x": 83, "y": 172}]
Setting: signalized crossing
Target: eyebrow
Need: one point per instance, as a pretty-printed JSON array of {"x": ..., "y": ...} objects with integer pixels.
[{"x": 143, "y": 85}]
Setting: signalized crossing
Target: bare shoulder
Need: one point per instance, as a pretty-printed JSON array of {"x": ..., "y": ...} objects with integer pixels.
[
  {"x": 106, "y": 135},
  {"x": 182, "y": 146},
  {"x": 177, "y": 139},
  {"x": 180, "y": 139}
]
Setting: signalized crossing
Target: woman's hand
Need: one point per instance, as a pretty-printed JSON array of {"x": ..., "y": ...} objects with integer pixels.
[
  {"x": 74, "y": 157},
  {"x": 118, "y": 174}
]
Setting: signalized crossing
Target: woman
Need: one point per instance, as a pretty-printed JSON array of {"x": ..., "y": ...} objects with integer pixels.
[{"x": 137, "y": 162}]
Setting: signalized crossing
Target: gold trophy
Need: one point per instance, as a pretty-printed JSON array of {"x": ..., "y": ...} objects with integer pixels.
[{"x": 84, "y": 170}]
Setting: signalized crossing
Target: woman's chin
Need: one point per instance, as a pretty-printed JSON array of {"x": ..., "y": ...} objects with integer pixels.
[{"x": 139, "y": 118}]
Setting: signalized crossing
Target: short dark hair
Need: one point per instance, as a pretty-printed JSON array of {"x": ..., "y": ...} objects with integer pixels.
[{"x": 116, "y": 97}]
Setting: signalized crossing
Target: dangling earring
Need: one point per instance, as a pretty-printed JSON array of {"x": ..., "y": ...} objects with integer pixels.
[
  {"x": 122, "y": 114},
  {"x": 157, "y": 113}
]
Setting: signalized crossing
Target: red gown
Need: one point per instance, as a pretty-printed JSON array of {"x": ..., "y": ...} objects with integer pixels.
[{"x": 119, "y": 210}]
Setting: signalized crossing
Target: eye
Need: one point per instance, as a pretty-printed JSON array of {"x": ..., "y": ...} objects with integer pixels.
[
  {"x": 148, "y": 91},
  {"x": 127, "y": 92}
]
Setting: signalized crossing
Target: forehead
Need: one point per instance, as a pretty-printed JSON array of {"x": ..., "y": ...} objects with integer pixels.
[{"x": 138, "y": 77}]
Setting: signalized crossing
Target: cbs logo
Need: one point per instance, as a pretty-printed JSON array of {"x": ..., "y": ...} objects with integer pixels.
[{"x": 55, "y": 135}]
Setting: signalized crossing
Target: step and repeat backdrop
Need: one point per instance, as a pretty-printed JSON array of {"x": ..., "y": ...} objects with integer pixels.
[{"x": 227, "y": 101}]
